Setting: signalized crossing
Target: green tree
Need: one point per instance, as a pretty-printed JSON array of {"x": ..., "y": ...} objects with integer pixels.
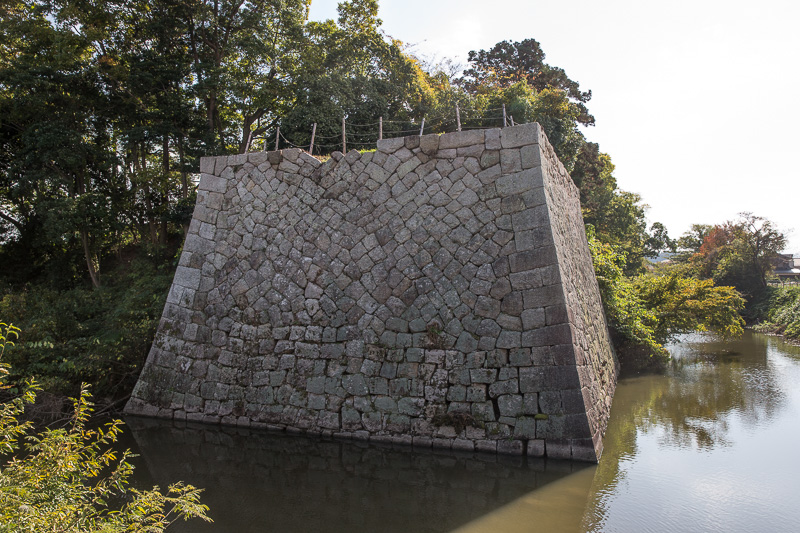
[
  {"x": 684, "y": 304},
  {"x": 622, "y": 223},
  {"x": 690, "y": 242},
  {"x": 96, "y": 131},
  {"x": 781, "y": 312},
  {"x": 64, "y": 479},
  {"x": 593, "y": 174},
  {"x": 83, "y": 334},
  {"x": 559, "y": 117},
  {"x": 649, "y": 310},
  {"x": 351, "y": 70},
  {"x": 658, "y": 241},
  {"x": 55, "y": 174},
  {"x": 507, "y": 63},
  {"x": 245, "y": 55},
  {"x": 740, "y": 253},
  {"x": 631, "y": 322}
]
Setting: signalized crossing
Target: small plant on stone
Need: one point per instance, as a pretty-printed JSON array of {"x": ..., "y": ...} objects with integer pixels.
[
  {"x": 434, "y": 335},
  {"x": 459, "y": 421}
]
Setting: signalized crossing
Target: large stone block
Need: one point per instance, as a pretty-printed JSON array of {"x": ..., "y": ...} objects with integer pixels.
[{"x": 461, "y": 139}]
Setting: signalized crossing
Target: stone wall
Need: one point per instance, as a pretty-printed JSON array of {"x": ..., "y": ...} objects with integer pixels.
[{"x": 438, "y": 291}]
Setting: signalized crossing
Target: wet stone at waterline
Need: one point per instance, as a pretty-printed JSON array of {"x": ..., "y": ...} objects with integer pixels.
[{"x": 437, "y": 292}]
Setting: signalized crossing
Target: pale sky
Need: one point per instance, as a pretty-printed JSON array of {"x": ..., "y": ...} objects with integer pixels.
[{"x": 695, "y": 101}]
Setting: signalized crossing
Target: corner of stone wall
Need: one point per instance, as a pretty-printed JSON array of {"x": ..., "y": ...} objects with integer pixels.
[{"x": 594, "y": 357}]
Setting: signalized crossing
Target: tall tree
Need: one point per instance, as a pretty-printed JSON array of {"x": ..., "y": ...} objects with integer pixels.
[
  {"x": 244, "y": 55},
  {"x": 95, "y": 103},
  {"x": 740, "y": 253},
  {"x": 510, "y": 62},
  {"x": 690, "y": 242},
  {"x": 57, "y": 176},
  {"x": 352, "y": 70}
]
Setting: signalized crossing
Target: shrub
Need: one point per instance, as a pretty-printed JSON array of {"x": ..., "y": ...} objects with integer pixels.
[
  {"x": 780, "y": 312},
  {"x": 648, "y": 311},
  {"x": 81, "y": 334},
  {"x": 631, "y": 322},
  {"x": 63, "y": 479}
]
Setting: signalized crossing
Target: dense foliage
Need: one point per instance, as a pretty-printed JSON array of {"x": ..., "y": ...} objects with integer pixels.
[
  {"x": 780, "y": 311},
  {"x": 106, "y": 108},
  {"x": 740, "y": 253},
  {"x": 82, "y": 334},
  {"x": 64, "y": 479},
  {"x": 684, "y": 304},
  {"x": 651, "y": 309},
  {"x": 632, "y": 324},
  {"x": 705, "y": 287}
]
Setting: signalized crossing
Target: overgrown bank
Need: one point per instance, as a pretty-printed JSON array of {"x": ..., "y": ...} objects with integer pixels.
[
  {"x": 716, "y": 280},
  {"x": 778, "y": 312},
  {"x": 82, "y": 334}
]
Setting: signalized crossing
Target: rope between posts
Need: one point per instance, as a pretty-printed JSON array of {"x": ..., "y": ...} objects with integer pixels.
[
  {"x": 292, "y": 144},
  {"x": 326, "y": 137},
  {"x": 350, "y": 124},
  {"x": 416, "y": 130},
  {"x": 361, "y": 138}
]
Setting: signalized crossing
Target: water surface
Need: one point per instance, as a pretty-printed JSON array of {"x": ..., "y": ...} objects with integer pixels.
[
  {"x": 709, "y": 446},
  {"x": 257, "y": 481}
]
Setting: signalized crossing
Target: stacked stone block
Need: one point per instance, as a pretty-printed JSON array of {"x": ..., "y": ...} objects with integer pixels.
[{"x": 437, "y": 291}]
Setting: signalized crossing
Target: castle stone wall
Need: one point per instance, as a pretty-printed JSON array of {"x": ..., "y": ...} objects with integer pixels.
[{"x": 436, "y": 292}]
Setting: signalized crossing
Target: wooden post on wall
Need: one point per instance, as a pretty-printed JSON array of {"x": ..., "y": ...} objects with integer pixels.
[{"x": 249, "y": 140}]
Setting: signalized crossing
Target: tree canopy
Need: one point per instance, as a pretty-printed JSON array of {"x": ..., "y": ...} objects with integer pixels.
[
  {"x": 106, "y": 108},
  {"x": 507, "y": 63},
  {"x": 739, "y": 253}
]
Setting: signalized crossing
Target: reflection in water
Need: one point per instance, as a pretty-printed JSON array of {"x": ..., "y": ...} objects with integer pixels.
[
  {"x": 710, "y": 446},
  {"x": 557, "y": 507},
  {"x": 709, "y": 381},
  {"x": 691, "y": 449},
  {"x": 257, "y": 481}
]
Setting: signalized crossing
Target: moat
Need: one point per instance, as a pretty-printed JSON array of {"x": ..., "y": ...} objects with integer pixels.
[{"x": 709, "y": 446}]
